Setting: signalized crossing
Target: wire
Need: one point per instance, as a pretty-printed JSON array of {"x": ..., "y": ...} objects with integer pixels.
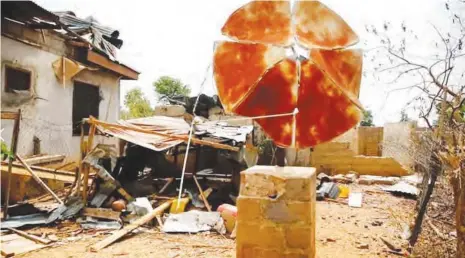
[{"x": 190, "y": 136}]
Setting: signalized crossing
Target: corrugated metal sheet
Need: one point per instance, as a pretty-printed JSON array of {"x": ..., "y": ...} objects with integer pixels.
[
  {"x": 76, "y": 23},
  {"x": 150, "y": 141},
  {"x": 170, "y": 125},
  {"x": 402, "y": 187}
]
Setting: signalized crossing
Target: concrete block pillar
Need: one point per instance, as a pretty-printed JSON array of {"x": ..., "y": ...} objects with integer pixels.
[{"x": 276, "y": 212}]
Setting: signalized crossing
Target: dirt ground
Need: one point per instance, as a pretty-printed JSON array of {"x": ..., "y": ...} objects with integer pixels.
[
  {"x": 440, "y": 215},
  {"x": 341, "y": 231}
]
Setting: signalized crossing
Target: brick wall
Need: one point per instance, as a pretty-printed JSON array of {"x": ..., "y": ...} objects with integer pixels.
[{"x": 276, "y": 212}]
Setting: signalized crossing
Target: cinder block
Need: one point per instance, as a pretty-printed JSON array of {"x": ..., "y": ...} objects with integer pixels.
[
  {"x": 301, "y": 237},
  {"x": 276, "y": 212},
  {"x": 247, "y": 251},
  {"x": 263, "y": 235},
  {"x": 283, "y": 183},
  {"x": 250, "y": 209}
]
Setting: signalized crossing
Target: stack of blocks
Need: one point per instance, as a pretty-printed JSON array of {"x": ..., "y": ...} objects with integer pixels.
[{"x": 276, "y": 212}]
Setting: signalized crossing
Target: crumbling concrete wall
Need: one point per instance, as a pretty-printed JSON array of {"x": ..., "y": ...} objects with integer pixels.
[
  {"x": 276, "y": 212},
  {"x": 51, "y": 120},
  {"x": 369, "y": 140},
  {"x": 338, "y": 158},
  {"x": 398, "y": 142}
]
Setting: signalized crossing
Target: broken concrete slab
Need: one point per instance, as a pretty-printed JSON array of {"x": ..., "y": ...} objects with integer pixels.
[
  {"x": 381, "y": 180},
  {"x": 193, "y": 222}
]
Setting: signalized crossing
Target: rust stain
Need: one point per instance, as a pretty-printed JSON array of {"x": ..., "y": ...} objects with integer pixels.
[
  {"x": 344, "y": 67},
  {"x": 317, "y": 26},
  {"x": 238, "y": 66},
  {"x": 261, "y": 22},
  {"x": 322, "y": 117}
]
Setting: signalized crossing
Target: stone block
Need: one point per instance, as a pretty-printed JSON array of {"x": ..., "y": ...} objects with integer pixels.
[
  {"x": 250, "y": 208},
  {"x": 169, "y": 110},
  {"x": 263, "y": 235},
  {"x": 283, "y": 183},
  {"x": 247, "y": 251},
  {"x": 276, "y": 212},
  {"x": 301, "y": 237}
]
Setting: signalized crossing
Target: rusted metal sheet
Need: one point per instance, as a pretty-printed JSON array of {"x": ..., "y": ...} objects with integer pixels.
[
  {"x": 160, "y": 133},
  {"x": 261, "y": 21}
]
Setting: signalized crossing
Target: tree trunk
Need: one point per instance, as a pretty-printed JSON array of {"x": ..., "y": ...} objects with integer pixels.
[{"x": 458, "y": 185}]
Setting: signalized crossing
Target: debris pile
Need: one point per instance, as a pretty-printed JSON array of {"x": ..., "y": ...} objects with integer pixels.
[{"x": 336, "y": 188}]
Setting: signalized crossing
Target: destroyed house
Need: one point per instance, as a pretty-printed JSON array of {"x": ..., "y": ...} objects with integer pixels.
[{"x": 57, "y": 69}]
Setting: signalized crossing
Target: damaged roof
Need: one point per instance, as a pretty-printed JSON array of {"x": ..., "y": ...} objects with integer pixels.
[
  {"x": 102, "y": 42},
  {"x": 160, "y": 133},
  {"x": 27, "y": 12}
]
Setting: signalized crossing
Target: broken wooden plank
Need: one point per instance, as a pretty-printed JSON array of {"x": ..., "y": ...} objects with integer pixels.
[
  {"x": 7, "y": 254},
  {"x": 38, "y": 180},
  {"x": 66, "y": 165},
  {"x": 137, "y": 223},
  {"x": 6, "y": 115},
  {"x": 102, "y": 213},
  {"x": 168, "y": 182},
  {"x": 202, "y": 195},
  {"x": 86, "y": 169},
  {"x": 185, "y": 138},
  {"x": 103, "y": 61},
  {"x": 45, "y": 173},
  {"x": 16, "y": 244},
  {"x": 45, "y": 159},
  {"x": 14, "y": 145},
  {"x": 31, "y": 237}
]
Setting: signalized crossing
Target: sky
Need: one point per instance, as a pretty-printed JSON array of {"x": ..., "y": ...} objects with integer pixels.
[{"x": 176, "y": 37}]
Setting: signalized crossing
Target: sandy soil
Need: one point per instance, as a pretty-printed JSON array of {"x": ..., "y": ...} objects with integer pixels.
[{"x": 341, "y": 231}]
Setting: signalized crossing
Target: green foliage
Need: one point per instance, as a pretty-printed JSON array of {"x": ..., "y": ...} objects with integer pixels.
[
  {"x": 167, "y": 86},
  {"x": 459, "y": 114},
  {"x": 5, "y": 151},
  {"x": 367, "y": 118},
  {"x": 138, "y": 105},
  {"x": 404, "y": 116}
]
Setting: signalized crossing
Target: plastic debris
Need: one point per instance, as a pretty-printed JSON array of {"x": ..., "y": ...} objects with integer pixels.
[
  {"x": 229, "y": 214},
  {"x": 140, "y": 206},
  {"x": 355, "y": 200},
  {"x": 175, "y": 208}
]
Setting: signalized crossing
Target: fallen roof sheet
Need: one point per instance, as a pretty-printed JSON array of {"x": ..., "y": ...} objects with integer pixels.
[
  {"x": 402, "y": 187},
  {"x": 169, "y": 132},
  {"x": 154, "y": 142}
]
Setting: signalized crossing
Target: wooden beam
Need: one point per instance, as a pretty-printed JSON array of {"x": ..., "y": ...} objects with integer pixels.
[
  {"x": 101, "y": 60},
  {"x": 137, "y": 223},
  {"x": 31, "y": 237},
  {"x": 185, "y": 138},
  {"x": 13, "y": 147},
  {"x": 86, "y": 168},
  {"x": 9, "y": 115},
  {"x": 45, "y": 173},
  {"x": 38, "y": 180},
  {"x": 102, "y": 213},
  {"x": 202, "y": 195},
  {"x": 44, "y": 159}
]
